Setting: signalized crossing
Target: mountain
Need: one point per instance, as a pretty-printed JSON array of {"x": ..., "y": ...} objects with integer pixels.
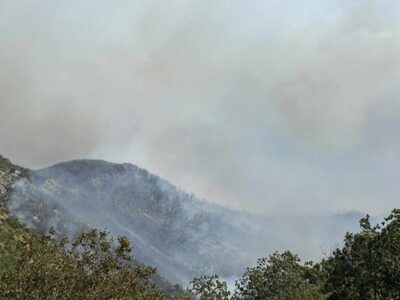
[
  {"x": 170, "y": 229},
  {"x": 176, "y": 232}
]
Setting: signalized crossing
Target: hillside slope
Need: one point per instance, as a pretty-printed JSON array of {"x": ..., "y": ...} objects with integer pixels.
[
  {"x": 15, "y": 237},
  {"x": 170, "y": 229},
  {"x": 180, "y": 235}
]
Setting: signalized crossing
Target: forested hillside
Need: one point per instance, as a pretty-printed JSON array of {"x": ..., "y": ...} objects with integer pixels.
[
  {"x": 172, "y": 230},
  {"x": 42, "y": 267},
  {"x": 47, "y": 264},
  {"x": 34, "y": 265}
]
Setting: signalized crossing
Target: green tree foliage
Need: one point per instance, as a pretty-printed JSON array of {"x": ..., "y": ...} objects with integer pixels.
[
  {"x": 209, "y": 288},
  {"x": 92, "y": 267},
  {"x": 281, "y": 276},
  {"x": 368, "y": 265},
  {"x": 12, "y": 235}
]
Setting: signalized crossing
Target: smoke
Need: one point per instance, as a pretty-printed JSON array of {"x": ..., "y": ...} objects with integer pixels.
[
  {"x": 171, "y": 230},
  {"x": 262, "y": 105}
]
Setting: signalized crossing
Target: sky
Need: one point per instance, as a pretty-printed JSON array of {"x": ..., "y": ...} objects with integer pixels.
[{"x": 266, "y": 106}]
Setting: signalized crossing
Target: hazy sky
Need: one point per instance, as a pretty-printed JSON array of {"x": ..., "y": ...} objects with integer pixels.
[{"x": 261, "y": 105}]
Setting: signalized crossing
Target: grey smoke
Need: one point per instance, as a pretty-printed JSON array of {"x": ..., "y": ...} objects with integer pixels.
[{"x": 268, "y": 106}]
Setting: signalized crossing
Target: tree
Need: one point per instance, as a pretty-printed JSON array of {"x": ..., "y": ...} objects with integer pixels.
[
  {"x": 209, "y": 288},
  {"x": 368, "y": 265},
  {"x": 281, "y": 276},
  {"x": 92, "y": 267}
]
